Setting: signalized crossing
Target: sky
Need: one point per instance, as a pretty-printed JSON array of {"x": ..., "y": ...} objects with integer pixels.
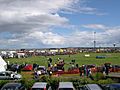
[{"x": 59, "y": 23}]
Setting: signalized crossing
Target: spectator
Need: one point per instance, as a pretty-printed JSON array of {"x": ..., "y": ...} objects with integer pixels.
[
  {"x": 35, "y": 66},
  {"x": 49, "y": 65},
  {"x": 17, "y": 68},
  {"x": 107, "y": 70},
  {"x": 80, "y": 71},
  {"x": 77, "y": 66},
  {"x": 104, "y": 69},
  {"x": 20, "y": 67},
  {"x": 50, "y": 59},
  {"x": 73, "y": 61},
  {"x": 55, "y": 67},
  {"x": 36, "y": 75},
  {"x": 90, "y": 74},
  {"x": 85, "y": 70},
  {"x": 49, "y": 72}
]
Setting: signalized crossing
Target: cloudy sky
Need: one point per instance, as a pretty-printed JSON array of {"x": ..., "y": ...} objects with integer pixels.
[{"x": 59, "y": 23}]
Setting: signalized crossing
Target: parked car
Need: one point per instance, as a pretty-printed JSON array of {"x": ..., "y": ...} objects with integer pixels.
[
  {"x": 13, "y": 67},
  {"x": 40, "y": 86},
  {"x": 91, "y": 87},
  {"x": 66, "y": 86},
  {"x": 9, "y": 75},
  {"x": 13, "y": 86},
  {"x": 115, "y": 86}
]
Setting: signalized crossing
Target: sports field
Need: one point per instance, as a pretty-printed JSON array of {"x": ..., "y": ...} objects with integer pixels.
[{"x": 113, "y": 58}]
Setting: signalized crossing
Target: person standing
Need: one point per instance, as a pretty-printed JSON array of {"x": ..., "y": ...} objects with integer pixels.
[
  {"x": 106, "y": 69},
  {"x": 80, "y": 71},
  {"x": 50, "y": 59}
]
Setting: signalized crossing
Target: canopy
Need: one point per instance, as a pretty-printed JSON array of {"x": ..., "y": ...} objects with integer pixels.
[{"x": 3, "y": 64}]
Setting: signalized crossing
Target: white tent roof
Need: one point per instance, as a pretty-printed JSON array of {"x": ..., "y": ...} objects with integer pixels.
[
  {"x": 2, "y": 62},
  {"x": 3, "y": 65}
]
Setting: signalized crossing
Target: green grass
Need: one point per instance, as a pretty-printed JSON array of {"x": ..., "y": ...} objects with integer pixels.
[{"x": 113, "y": 58}]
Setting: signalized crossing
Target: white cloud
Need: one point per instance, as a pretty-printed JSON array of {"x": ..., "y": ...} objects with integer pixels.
[
  {"x": 29, "y": 23},
  {"x": 33, "y": 39},
  {"x": 95, "y": 26},
  {"x": 86, "y": 38},
  {"x": 48, "y": 20},
  {"x": 19, "y": 11},
  {"x": 79, "y": 38},
  {"x": 23, "y": 20},
  {"x": 48, "y": 38}
]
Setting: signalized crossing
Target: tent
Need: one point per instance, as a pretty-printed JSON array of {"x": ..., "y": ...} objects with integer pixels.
[{"x": 3, "y": 64}]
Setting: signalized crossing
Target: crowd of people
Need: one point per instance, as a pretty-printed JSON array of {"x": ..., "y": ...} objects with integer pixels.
[
  {"x": 84, "y": 70},
  {"x": 52, "y": 67}
]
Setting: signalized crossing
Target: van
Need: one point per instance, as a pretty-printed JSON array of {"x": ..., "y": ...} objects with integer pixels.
[
  {"x": 114, "y": 86},
  {"x": 92, "y": 87},
  {"x": 40, "y": 86},
  {"x": 66, "y": 86},
  {"x": 13, "y": 86}
]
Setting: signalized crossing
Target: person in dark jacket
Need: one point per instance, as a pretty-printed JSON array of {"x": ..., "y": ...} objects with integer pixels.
[{"x": 80, "y": 71}]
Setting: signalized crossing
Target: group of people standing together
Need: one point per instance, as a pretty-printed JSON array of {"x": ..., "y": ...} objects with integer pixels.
[{"x": 84, "y": 70}]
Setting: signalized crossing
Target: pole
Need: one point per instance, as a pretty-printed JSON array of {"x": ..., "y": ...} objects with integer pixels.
[
  {"x": 114, "y": 44},
  {"x": 94, "y": 41}
]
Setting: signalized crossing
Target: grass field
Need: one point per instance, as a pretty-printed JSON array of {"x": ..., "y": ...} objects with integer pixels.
[{"x": 113, "y": 58}]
